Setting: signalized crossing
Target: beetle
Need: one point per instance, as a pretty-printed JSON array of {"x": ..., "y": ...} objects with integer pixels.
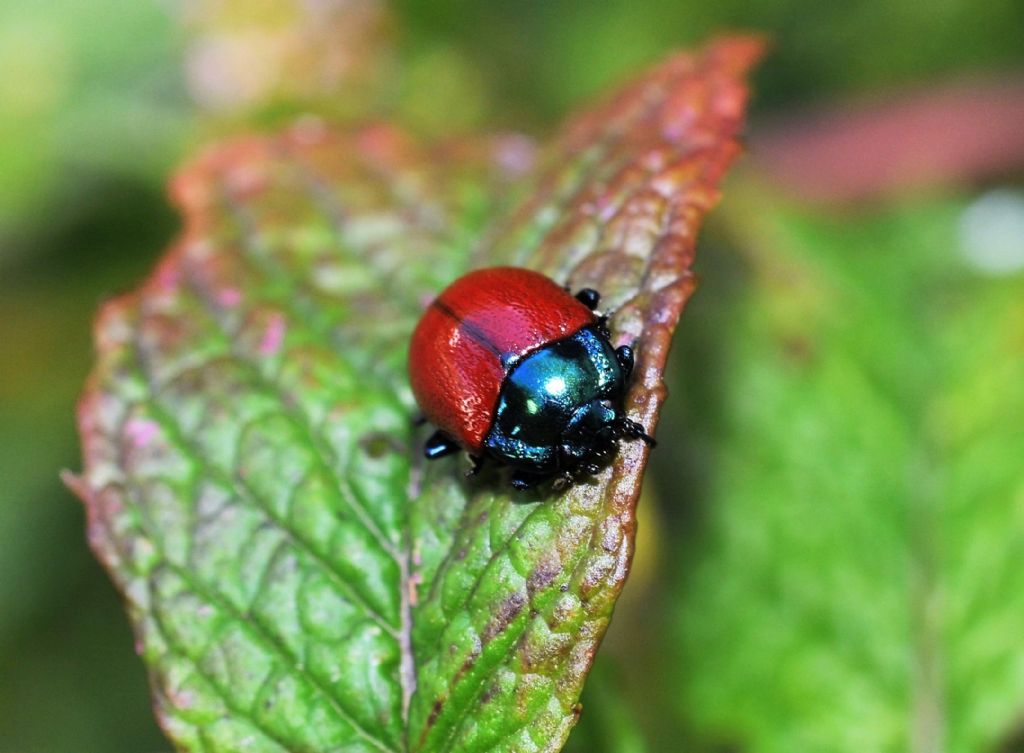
[{"x": 510, "y": 366}]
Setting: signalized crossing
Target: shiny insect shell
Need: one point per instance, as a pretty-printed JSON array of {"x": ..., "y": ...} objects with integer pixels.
[{"x": 511, "y": 367}]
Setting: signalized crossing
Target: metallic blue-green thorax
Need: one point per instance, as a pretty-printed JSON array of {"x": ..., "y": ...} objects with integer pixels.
[{"x": 558, "y": 404}]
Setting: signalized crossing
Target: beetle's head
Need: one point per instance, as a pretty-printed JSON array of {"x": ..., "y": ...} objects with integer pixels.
[{"x": 590, "y": 437}]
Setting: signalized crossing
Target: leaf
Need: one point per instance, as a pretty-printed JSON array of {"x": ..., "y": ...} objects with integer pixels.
[
  {"x": 855, "y": 581},
  {"x": 297, "y": 578}
]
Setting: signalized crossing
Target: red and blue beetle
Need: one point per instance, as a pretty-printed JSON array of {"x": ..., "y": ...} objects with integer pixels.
[{"x": 509, "y": 366}]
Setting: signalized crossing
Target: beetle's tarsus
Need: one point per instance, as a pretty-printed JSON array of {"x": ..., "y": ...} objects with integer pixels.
[{"x": 634, "y": 430}]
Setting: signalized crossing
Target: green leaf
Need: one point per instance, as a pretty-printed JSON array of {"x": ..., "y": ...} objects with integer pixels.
[
  {"x": 297, "y": 577},
  {"x": 854, "y": 581}
]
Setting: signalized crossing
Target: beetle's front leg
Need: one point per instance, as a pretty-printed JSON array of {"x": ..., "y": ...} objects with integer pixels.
[
  {"x": 438, "y": 445},
  {"x": 589, "y": 298},
  {"x": 624, "y": 355}
]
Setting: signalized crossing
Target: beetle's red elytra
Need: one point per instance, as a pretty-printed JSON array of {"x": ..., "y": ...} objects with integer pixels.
[
  {"x": 471, "y": 331},
  {"x": 510, "y": 366}
]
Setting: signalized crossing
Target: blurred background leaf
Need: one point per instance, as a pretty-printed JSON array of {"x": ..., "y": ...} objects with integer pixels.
[
  {"x": 852, "y": 552},
  {"x": 98, "y": 100}
]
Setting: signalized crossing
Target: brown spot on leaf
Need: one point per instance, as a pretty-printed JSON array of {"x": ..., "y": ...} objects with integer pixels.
[
  {"x": 507, "y": 612},
  {"x": 542, "y": 576},
  {"x": 435, "y": 711},
  {"x": 467, "y": 665},
  {"x": 798, "y": 350},
  {"x": 378, "y": 444}
]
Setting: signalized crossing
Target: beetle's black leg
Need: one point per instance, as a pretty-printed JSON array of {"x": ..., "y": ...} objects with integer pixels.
[
  {"x": 419, "y": 419},
  {"x": 438, "y": 445},
  {"x": 624, "y": 354},
  {"x": 602, "y": 327},
  {"x": 589, "y": 298},
  {"x": 563, "y": 481},
  {"x": 478, "y": 463},
  {"x": 522, "y": 480},
  {"x": 633, "y": 430}
]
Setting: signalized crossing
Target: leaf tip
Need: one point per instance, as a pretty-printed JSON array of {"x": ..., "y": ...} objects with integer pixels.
[
  {"x": 75, "y": 483},
  {"x": 741, "y": 50}
]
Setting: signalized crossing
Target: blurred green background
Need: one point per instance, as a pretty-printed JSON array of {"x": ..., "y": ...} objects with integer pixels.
[{"x": 833, "y": 533}]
